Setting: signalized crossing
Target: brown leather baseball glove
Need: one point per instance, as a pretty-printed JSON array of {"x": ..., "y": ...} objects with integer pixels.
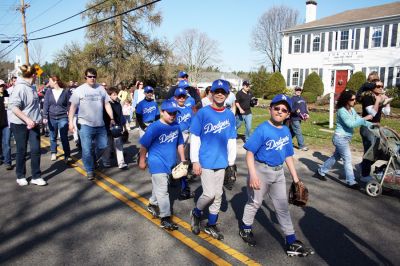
[{"x": 298, "y": 194}]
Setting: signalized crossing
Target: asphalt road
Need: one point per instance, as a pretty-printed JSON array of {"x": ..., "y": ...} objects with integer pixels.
[{"x": 73, "y": 221}]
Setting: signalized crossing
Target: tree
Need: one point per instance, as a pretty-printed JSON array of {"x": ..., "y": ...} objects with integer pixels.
[
  {"x": 196, "y": 51},
  {"x": 275, "y": 85},
  {"x": 267, "y": 34},
  {"x": 356, "y": 80},
  {"x": 312, "y": 88},
  {"x": 259, "y": 81},
  {"x": 36, "y": 53}
]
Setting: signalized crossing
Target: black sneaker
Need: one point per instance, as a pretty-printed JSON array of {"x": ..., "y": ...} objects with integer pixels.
[
  {"x": 166, "y": 223},
  {"x": 247, "y": 237},
  {"x": 9, "y": 167},
  {"x": 194, "y": 223},
  {"x": 186, "y": 194},
  {"x": 91, "y": 176},
  {"x": 298, "y": 249},
  {"x": 319, "y": 175},
  {"x": 213, "y": 231},
  {"x": 154, "y": 210}
]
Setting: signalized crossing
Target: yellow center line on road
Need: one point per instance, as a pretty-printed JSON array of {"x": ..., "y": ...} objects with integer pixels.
[{"x": 220, "y": 245}]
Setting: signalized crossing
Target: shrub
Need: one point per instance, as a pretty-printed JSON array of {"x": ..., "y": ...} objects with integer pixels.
[
  {"x": 394, "y": 92},
  {"x": 312, "y": 88},
  {"x": 323, "y": 100},
  {"x": 356, "y": 80},
  {"x": 275, "y": 85},
  {"x": 288, "y": 91}
]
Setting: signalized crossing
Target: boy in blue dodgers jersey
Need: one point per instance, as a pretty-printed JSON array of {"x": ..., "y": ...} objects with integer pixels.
[
  {"x": 267, "y": 149},
  {"x": 189, "y": 102},
  {"x": 184, "y": 117},
  {"x": 161, "y": 140},
  {"x": 212, "y": 149},
  {"x": 147, "y": 110}
]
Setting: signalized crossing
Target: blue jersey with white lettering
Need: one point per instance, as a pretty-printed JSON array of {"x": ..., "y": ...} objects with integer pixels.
[
  {"x": 184, "y": 117},
  {"x": 214, "y": 128},
  {"x": 162, "y": 140},
  {"x": 270, "y": 145},
  {"x": 190, "y": 102},
  {"x": 148, "y": 109}
]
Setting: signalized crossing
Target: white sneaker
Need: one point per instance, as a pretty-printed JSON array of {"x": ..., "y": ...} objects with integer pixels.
[
  {"x": 366, "y": 179},
  {"x": 123, "y": 166},
  {"x": 53, "y": 157},
  {"x": 22, "y": 182},
  {"x": 39, "y": 182}
]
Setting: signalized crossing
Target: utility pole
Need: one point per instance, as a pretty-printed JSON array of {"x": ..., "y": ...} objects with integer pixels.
[{"x": 22, "y": 10}]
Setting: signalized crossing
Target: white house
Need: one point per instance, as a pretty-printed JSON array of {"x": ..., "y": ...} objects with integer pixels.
[{"x": 366, "y": 39}]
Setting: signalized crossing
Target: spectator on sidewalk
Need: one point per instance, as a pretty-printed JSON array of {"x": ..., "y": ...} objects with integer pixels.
[
  {"x": 243, "y": 111},
  {"x": 5, "y": 156},
  {"x": 299, "y": 113}
]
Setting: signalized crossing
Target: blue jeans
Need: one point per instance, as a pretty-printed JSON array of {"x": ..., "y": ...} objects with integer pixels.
[
  {"x": 296, "y": 128},
  {"x": 247, "y": 122},
  {"x": 22, "y": 135},
  {"x": 88, "y": 135},
  {"x": 5, "y": 142},
  {"x": 342, "y": 144},
  {"x": 62, "y": 125},
  {"x": 368, "y": 139}
]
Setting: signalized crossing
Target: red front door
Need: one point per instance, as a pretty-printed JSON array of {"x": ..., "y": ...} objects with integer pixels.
[{"x": 341, "y": 82}]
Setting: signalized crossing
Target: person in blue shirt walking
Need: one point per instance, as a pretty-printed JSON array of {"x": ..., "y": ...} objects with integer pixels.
[
  {"x": 299, "y": 113},
  {"x": 346, "y": 120},
  {"x": 184, "y": 118},
  {"x": 147, "y": 110},
  {"x": 212, "y": 149},
  {"x": 267, "y": 149},
  {"x": 190, "y": 101},
  {"x": 162, "y": 140}
]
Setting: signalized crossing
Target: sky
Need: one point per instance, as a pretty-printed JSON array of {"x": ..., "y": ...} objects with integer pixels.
[{"x": 229, "y": 22}]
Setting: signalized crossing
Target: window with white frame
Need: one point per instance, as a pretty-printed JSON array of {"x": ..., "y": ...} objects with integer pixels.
[
  {"x": 295, "y": 77},
  {"x": 376, "y": 36},
  {"x": 344, "y": 40},
  {"x": 374, "y": 68},
  {"x": 314, "y": 70},
  {"x": 297, "y": 45},
  {"x": 316, "y": 43},
  {"x": 397, "y": 76},
  {"x": 353, "y": 38}
]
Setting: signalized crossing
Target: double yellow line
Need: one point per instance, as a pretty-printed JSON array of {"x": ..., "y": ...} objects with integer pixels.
[{"x": 177, "y": 234}]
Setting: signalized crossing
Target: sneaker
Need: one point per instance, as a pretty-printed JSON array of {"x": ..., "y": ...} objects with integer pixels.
[
  {"x": 354, "y": 186},
  {"x": 194, "y": 223},
  {"x": 168, "y": 224},
  {"x": 9, "y": 167},
  {"x": 247, "y": 236},
  {"x": 123, "y": 166},
  {"x": 298, "y": 249},
  {"x": 68, "y": 160},
  {"x": 154, "y": 210},
  {"x": 53, "y": 157},
  {"x": 39, "y": 182},
  {"x": 304, "y": 149},
  {"x": 213, "y": 231},
  {"x": 366, "y": 179},
  {"x": 186, "y": 194},
  {"x": 319, "y": 175},
  {"x": 22, "y": 182},
  {"x": 90, "y": 176}
]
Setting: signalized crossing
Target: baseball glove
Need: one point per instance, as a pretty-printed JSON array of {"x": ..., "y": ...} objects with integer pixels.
[
  {"x": 230, "y": 176},
  {"x": 298, "y": 194},
  {"x": 180, "y": 170}
]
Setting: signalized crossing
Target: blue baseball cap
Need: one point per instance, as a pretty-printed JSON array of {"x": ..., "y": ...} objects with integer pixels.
[
  {"x": 182, "y": 74},
  {"x": 169, "y": 106},
  {"x": 220, "y": 84},
  {"x": 281, "y": 98},
  {"x": 180, "y": 91},
  {"x": 148, "y": 89},
  {"x": 183, "y": 84}
]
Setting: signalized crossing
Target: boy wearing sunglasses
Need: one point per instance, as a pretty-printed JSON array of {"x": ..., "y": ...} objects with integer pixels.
[
  {"x": 267, "y": 149},
  {"x": 212, "y": 149},
  {"x": 162, "y": 140},
  {"x": 184, "y": 118}
]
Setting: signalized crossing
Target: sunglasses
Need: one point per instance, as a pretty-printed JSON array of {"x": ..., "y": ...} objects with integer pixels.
[
  {"x": 91, "y": 77},
  {"x": 220, "y": 92},
  {"x": 150, "y": 92},
  {"x": 352, "y": 99},
  {"x": 172, "y": 113},
  {"x": 379, "y": 87},
  {"x": 277, "y": 109},
  {"x": 181, "y": 96}
]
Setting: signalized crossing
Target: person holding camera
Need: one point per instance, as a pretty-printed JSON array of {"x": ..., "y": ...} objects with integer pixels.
[
  {"x": 244, "y": 101},
  {"x": 299, "y": 113}
]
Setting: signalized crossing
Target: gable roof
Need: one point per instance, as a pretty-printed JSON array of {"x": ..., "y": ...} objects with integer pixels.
[{"x": 351, "y": 16}]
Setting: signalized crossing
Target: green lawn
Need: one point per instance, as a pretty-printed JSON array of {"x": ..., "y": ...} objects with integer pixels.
[{"x": 313, "y": 135}]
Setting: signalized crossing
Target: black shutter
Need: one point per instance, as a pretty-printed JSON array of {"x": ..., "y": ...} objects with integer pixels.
[
  {"x": 366, "y": 38},
  {"x": 330, "y": 41},
  {"x": 394, "y": 35},
  {"x": 322, "y": 41},
  {"x": 358, "y": 32},
  {"x": 390, "y": 77},
  {"x": 336, "y": 40},
  {"x": 308, "y": 42},
  {"x": 303, "y": 42},
  {"x": 320, "y": 73},
  {"x": 301, "y": 78},
  {"x": 386, "y": 36},
  {"x": 382, "y": 74},
  {"x": 306, "y": 75},
  {"x": 288, "y": 78},
  {"x": 364, "y": 70},
  {"x": 290, "y": 44}
]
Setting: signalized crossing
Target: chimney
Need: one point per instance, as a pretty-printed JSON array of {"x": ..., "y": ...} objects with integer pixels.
[{"x": 311, "y": 11}]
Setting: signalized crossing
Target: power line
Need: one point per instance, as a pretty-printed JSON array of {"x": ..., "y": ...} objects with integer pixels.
[
  {"x": 69, "y": 17},
  {"x": 44, "y": 11},
  {"x": 10, "y": 45},
  {"x": 94, "y": 23},
  {"x": 11, "y": 49}
]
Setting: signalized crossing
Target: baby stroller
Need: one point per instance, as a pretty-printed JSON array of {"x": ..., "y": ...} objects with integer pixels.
[{"x": 385, "y": 152}]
